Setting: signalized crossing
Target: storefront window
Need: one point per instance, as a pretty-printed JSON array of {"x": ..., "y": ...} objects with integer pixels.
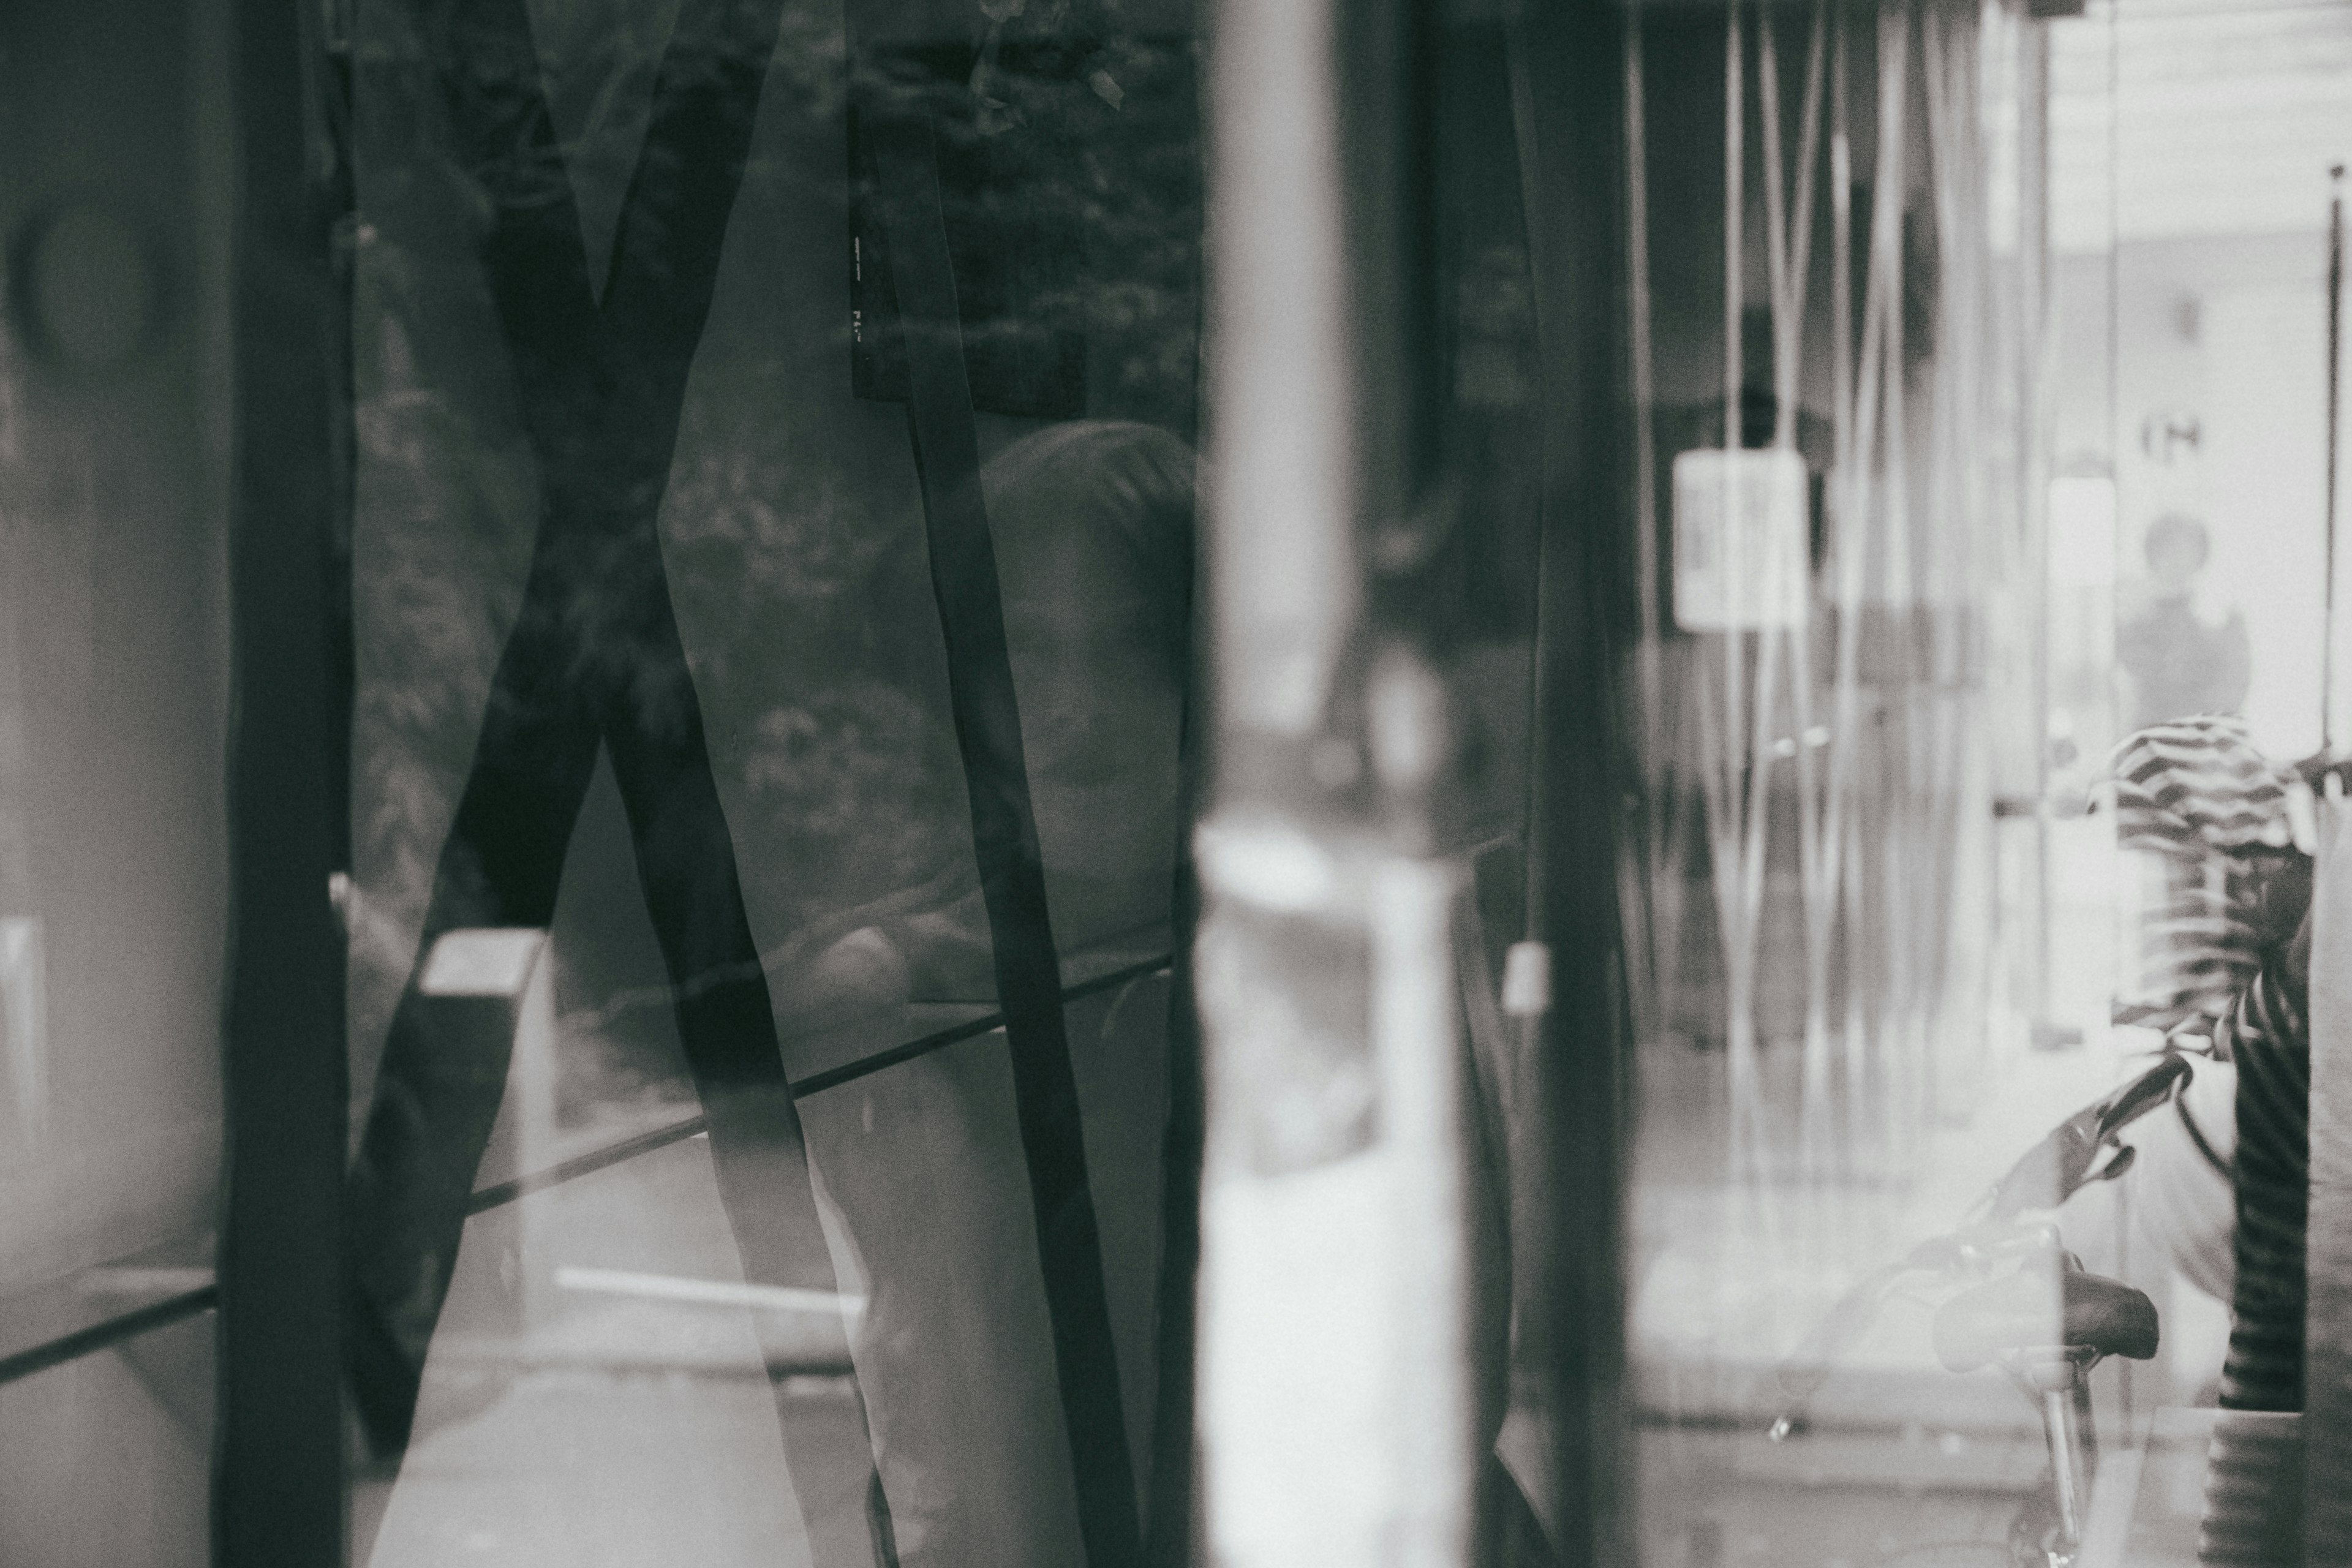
[
  {"x": 114, "y": 669},
  {"x": 1086, "y": 781},
  {"x": 772, "y": 552}
]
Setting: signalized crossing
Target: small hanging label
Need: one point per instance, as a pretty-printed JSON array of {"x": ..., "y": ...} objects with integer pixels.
[{"x": 1750, "y": 576}]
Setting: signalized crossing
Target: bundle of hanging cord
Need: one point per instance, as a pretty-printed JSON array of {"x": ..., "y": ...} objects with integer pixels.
[{"x": 2225, "y": 967}]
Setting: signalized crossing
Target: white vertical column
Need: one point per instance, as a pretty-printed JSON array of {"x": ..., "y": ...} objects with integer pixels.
[
  {"x": 1282, "y": 489},
  {"x": 1335, "y": 1401},
  {"x": 1335, "y": 1405}
]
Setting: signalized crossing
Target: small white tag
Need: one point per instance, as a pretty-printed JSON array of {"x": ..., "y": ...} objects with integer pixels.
[
  {"x": 1527, "y": 980},
  {"x": 484, "y": 962},
  {"x": 2303, "y": 816}
]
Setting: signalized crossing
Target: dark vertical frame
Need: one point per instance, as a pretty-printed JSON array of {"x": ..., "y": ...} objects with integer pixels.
[
  {"x": 277, "y": 1483},
  {"x": 2327, "y": 1242},
  {"x": 1572, "y": 54},
  {"x": 1171, "y": 1520},
  {"x": 1388, "y": 155},
  {"x": 1004, "y": 832}
]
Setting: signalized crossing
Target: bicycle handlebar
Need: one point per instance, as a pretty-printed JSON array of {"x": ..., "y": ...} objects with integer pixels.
[{"x": 2043, "y": 1177}]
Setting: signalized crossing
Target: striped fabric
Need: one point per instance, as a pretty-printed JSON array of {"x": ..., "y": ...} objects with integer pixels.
[
  {"x": 2268, "y": 1036},
  {"x": 2220, "y": 959},
  {"x": 2198, "y": 797}
]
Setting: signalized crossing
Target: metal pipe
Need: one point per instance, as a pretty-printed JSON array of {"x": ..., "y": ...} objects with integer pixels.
[
  {"x": 2335, "y": 414},
  {"x": 1281, "y": 375},
  {"x": 2065, "y": 1468},
  {"x": 1336, "y": 1406},
  {"x": 2032, "y": 257}
]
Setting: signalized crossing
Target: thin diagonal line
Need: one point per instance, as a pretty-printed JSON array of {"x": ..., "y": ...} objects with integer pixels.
[
  {"x": 107, "y": 1333},
  {"x": 503, "y": 1193}
]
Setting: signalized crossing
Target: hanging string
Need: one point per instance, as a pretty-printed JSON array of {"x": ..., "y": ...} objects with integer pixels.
[
  {"x": 1722, "y": 742},
  {"x": 1958, "y": 784},
  {"x": 1845, "y": 550},
  {"x": 2335, "y": 418},
  {"x": 1789, "y": 240},
  {"x": 1858, "y": 416},
  {"x": 1900, "y": 1046},
  {"x": 1655, "y": 732}
]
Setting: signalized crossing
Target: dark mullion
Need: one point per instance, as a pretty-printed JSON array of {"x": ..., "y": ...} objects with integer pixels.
[
  {"x": 1005, "y": 832},
  {"x": 1571, "y": 149},
  {"x": 278, "y": 1482},
  {"x": 594, "y": 657},
  {"x": 1169, "y": 1517}
]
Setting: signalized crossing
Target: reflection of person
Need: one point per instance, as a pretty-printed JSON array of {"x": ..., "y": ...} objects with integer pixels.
[
  {"x": 1092, "y": 526},
  {"x": 1092, "y": 523},
  {"x": 2225, "y": 940},
  {"x": 2181, "y": 661},
  {"x": 1092, "y": 530}
]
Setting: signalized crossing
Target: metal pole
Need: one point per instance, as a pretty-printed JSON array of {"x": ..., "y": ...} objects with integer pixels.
[
  {"x": 2335, "y": 412},
  {"x": 2065, "y": 1474},
  {"x": 277, "y": 1445},
  {"x": 1336, "y": 1404},
  {"x": 2033, "y": 259},
  {"x": 1574, "y": 53}
]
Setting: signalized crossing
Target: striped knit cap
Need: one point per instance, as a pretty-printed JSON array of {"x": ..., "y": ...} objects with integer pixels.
[{"x": 2198, "y": 794}]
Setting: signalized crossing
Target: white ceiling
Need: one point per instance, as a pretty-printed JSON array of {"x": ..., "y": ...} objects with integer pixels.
[{"x": 2177, "y": 118}]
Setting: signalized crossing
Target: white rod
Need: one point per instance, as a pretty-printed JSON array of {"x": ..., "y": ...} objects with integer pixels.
[
  {"x": 1897, "y": 853},
  {"x": 1735, "y": 862},
  {"x": 706, "y": 1292},
  {"x": 1281, "y": 379},
  {"x": 1790, "y": 235}
]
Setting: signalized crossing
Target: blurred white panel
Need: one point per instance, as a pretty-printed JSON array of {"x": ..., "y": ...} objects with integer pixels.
[
  {"x": 1751, "y": 574},
  {"x": 2176, "y": 117},
  {"x": 2265, "y": 427},
  {"x": 2083, "y": 531}
]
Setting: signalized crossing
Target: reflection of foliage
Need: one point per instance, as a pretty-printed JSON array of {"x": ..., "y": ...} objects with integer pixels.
[
  {"x": 1071, "y": 179},
  {"x": 797, "y": 581},
  {"x": 1139, "y": 207},
  {"x": 763, "y": 537},
  {"x": 793, "y": 562},
  {"x": 433, "y": 574},
  {"x": 843, "y": 778}
]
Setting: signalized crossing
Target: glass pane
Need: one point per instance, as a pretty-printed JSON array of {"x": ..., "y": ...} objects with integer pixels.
[
  {"x": 1974, "y": 875},
  {"x": 121, "y": 1469},
  {"x": 773, "y": 613},
  {"x": 1844, "y": 1032},
  {"x": 113, "y": 695}
]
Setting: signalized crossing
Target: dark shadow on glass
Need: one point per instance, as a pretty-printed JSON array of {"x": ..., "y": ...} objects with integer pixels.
[
  {"x": 595, "y": 658},
  {"x": 1004, "y": 829}
]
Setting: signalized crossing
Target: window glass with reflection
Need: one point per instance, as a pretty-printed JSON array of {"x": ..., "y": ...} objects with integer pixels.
[
  {"x": 772, "y": 606},
  {"x": 113, "y": 712}
]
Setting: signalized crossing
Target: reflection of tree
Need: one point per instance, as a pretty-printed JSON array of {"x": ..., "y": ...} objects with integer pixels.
[
  {"x": 842, "y": 777},
  {"x": 432, "y": 504},
  {"x": 1069, "y": 160},
  {"x": 795, "y": 569}
]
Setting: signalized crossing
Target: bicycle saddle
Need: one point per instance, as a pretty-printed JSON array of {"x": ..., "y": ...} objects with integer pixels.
[{"x": 2046, "y": 1308}]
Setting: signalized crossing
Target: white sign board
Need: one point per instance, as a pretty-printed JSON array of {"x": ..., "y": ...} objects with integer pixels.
[{"x": 1754, "y": 574}]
